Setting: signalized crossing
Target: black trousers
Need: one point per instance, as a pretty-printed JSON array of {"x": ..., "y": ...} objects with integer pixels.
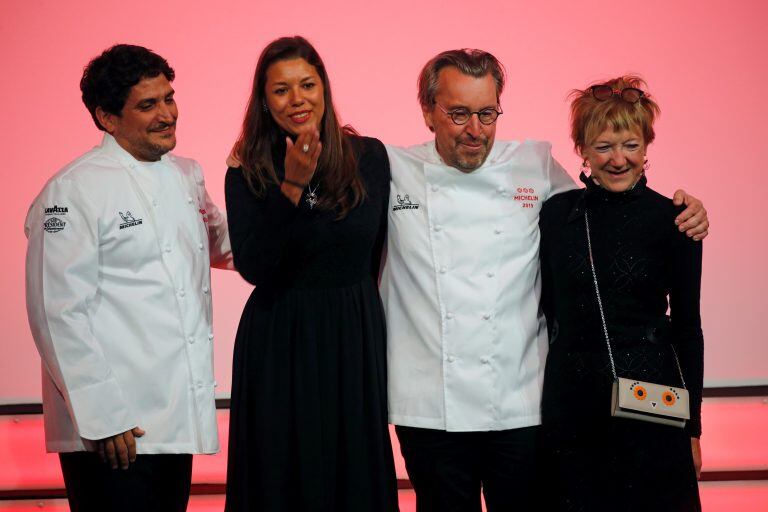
[
  {"x": 448, "y": 469},
  {"x": 152, "y": 483}
]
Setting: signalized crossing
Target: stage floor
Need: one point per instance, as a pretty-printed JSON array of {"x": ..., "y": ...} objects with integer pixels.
[
  {"x": 733, "y": 445},
  {"x": 715, "y": 497}
]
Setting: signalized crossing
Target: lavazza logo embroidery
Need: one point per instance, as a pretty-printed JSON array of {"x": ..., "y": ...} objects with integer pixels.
[
  {"x": 128, "y": 220},
  {"x": 404, "y": 203},
  {"x": 53, "y": 224}
]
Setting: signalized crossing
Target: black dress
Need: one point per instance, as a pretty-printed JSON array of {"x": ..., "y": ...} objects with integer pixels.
[
  {"x": 308, "y": 425},
  {"x": 596, "y": 462}
]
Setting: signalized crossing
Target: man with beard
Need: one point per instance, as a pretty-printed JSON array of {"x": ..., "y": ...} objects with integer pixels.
[
  {"x": 118, "y": 296},
  {"x": 467, "y": 342}
]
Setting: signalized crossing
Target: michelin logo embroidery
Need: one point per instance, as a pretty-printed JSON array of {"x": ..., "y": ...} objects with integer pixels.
[
  {"x": 404, "y": 203},
  {"x": 128, "y": 220}
]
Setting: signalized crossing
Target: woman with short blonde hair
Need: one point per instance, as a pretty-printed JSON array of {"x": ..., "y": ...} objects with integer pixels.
[{"x": 613, "y": 263}]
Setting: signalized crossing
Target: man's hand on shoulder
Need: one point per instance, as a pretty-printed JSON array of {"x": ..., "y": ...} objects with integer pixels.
[
  {"x": 693, "y": 220},
  {"x": 120, "y": 448}
]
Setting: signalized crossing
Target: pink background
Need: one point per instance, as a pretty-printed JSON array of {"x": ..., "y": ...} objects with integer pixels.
[{"x": 704, "y": 61}]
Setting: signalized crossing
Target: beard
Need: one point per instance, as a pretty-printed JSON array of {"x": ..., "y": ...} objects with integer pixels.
[
  {"x": 470, "y": 162},
  {"x": 158, "y": 144}
]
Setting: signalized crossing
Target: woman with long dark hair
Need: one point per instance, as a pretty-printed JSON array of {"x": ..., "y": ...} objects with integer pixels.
[{"x": 307, "y": 210}]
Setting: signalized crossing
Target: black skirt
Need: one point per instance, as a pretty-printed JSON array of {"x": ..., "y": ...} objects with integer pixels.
[{"x": 610, "y": 464}]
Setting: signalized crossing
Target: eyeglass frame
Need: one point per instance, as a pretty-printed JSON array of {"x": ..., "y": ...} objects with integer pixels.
[
  {"x": 450, "y": 114},
  {"x": 617, "y": 92}
]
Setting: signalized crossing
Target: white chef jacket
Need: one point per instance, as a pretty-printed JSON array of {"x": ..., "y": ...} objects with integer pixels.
[
  {"x": 467, "y": 341},
  {"x": 119, "y": 301}
]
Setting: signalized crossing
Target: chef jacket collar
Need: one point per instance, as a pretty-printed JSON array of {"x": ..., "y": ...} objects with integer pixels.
[{"x": 114, "y": 149}]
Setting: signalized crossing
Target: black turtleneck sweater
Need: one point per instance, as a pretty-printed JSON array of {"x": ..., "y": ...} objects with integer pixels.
[{"x": 646, "y": 270}]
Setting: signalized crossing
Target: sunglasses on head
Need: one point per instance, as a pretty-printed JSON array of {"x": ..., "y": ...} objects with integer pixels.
[{"x": 605, "y": 92}]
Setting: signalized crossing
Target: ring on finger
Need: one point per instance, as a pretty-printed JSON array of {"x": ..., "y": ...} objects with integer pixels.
[{"x": 305, "y": 148}]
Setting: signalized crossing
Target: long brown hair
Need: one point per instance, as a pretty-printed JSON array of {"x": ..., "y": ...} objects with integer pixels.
[{"x": 341, "y": 187}]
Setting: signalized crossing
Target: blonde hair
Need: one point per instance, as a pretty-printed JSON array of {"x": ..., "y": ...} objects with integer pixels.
[{"x": 590, "y": 116}]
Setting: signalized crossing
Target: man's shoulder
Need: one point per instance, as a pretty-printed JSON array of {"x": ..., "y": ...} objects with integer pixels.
[
  {"x": 186, "y": 166},
  {"x": 183, "y": 161},
  {"x": 424, "y": 152},
  {"x": 91, "y": 171},
  {"x": 506, "y": 150},
  {"x": 408, "y": 163},
  {"x": 92, "y": 167}
]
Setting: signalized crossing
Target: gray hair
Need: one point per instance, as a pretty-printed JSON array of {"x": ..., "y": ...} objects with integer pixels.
[{"x": 472, "y": 62}]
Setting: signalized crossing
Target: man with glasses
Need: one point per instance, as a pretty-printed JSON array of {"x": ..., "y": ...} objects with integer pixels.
[{"x": 466, "y": 340}]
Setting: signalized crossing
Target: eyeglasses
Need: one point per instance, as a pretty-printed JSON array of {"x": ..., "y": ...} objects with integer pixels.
[
  {"x": 462, "y": 116},
  {"x": 628, "y": 94}
]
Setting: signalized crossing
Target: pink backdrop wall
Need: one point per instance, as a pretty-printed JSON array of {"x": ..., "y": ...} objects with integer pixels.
[{"x": 704, "y": 61}]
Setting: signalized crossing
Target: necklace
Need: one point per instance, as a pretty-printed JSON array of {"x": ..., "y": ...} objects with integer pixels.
[{"x": 312, "y": 195}]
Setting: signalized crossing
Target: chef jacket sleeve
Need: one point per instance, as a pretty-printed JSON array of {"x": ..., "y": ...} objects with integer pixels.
[
  {"x": 219, "y": 246},
  {"x": 62, "y": 274},
  {"x": 559, "y": 180}
]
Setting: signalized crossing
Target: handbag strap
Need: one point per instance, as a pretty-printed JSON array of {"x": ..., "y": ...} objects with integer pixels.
[{"x": 602, "y": 314}]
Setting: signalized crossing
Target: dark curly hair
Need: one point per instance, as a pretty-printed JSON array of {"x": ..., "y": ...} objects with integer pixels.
[{"x": 108, "y": 78}]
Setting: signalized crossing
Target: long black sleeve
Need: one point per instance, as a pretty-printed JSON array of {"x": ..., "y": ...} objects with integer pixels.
[
  {"x": 259, "y": 228},
  {"x": 684, "y": 306},
  {"x": 378, "y": 155}
]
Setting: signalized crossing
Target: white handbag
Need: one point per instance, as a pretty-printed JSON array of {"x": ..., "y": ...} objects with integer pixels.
[{"x": 646, "y": 401}]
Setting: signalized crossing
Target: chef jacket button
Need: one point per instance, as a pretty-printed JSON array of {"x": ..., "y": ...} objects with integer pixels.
[
  {"x": 497, "y": 231},
  {"x": 487, "y": 316},
  {"x": 167, "y": 248},
  {"x": 490, "y": 274},
  {"x": 437, "y": 227},
  {"x": 205, "y": 288},
  {"x": 132, "y": 166},
  {"x": 451, "y": 359},
  {"x": 199, "y": 384},
  {"x": 182, "y": 292},
  {"x": 191, "y": 340},
  {"x": 215, "y": 384},
  {"x": 443, "y": 270},
  {"x": 189, "y": 199},
  {"x": 485, "y": 360},
  {"x": 200, "y": 246},
  {"x": 155, "y": 203},
  {"x": 435, "y": 188},
  {"x": 210, "y": 336},
  {"x": 501, "y": 190},
  {"x": 449, "y": 315}
]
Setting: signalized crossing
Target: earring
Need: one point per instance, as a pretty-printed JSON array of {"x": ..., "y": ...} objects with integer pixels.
[
  {"x": 646, "y": 165},
  {"x": 264, "y": 106},
  {"x": 585, "y": 166}
]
